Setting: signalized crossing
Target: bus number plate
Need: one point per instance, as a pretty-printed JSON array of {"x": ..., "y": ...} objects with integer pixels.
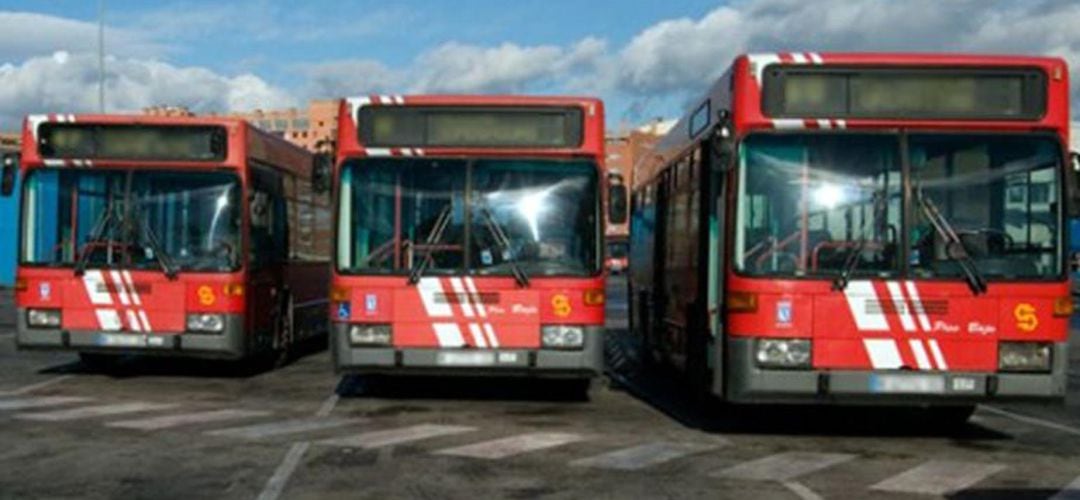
[
  {"x": 908, "y": 384},
  {"x": 466, "y": 358},
  {"x": 121, "y": 340}
]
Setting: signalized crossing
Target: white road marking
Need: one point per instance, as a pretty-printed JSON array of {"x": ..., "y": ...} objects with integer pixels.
[
  {"x": 378, "y": 439},
  {"x": 642, "y": 456},
  {"x": 328, "y": 406},
  {"x": 801, "y": 490},
  {"x": 94, "y": 411},
  {"x": 277, "y": 482},
  {"x": 260, "y": 431},
  {"x": 1031, "y": 420},
  {"x": 167, "y": 421},
  {"x": 34, "y": 387},
  {"x": 507, "y": 447},
  {"x": 783, "y": 466},
  {"x": 938, "y": 477},
  {"x": 1070, "y": 492},
  {"x": 26, "y": 403}
]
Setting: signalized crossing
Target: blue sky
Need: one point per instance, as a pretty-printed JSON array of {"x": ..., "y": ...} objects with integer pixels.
[{"x": 645, "y": 58}]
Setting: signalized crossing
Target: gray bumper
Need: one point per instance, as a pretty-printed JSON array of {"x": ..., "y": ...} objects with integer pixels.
[
  {"x": 587, "y": 362},
  {"x": 231, "y": 343},
  {"x": 749, "y": 384}
]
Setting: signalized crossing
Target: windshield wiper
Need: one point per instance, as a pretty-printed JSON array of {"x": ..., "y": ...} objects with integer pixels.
[
  {"x": 954, "y": 247},
  {"x": 434, "y": 236},
  {"x": 852, "y": 261},
  {"x": 96, "y": 234},
  {"x": 499, "y": 234},
  {"x": 159, "y": 252}
]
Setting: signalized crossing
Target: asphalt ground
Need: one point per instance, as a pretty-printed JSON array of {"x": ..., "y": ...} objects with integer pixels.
[{"x": 184, "y": 429}]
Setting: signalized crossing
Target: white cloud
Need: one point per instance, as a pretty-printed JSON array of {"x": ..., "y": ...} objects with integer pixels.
[
  {"x": 28, "y": 34},
  {"x": 67, "y": 83},
  {"x": 350, "y": 77}
]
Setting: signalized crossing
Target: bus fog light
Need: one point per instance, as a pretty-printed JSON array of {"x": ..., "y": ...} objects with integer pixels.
[
  {"x": 1024, "y": 357},
  {"x": 562, "y": 337},
  {"x": 369, "y": 335},
  {"x": 783, "y": 353},
  {"x": 205, "y": 323},
  {"x": 43, "y": 318}
]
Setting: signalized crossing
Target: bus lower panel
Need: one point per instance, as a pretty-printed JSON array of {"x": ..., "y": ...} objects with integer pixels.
[
  {"x": 587, "y": 362},
  {"x": 229, "y": 344},
  {"x": 747, "y": 383}
]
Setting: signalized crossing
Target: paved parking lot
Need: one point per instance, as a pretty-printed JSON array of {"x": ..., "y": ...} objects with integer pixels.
[{"x": 165, "y": 429}]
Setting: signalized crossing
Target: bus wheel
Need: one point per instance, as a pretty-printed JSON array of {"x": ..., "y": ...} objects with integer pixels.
[
  {"x": 95, "y": 361},
  {"x": 950, "y": 416},
  {"x": 578, "y": 388},
  {"x": 285, "y": 342}
]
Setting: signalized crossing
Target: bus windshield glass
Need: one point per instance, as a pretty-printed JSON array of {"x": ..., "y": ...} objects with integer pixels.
[
  {"x": 482, "y": 217},
  {"x": 131, "y": 219}
]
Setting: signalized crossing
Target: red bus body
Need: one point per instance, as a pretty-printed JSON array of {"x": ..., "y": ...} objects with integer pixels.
[
  {"x": 461, "y": 322},
  {"x": 902, "y": 335},
  {"x": 118, "y": 309}
]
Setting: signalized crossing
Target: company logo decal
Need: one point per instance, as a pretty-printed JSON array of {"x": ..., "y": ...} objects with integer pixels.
[
  {"x": 1026, "y": 320},
  {"x": 560, "y": 305},
  {"x": 45, "y": 291},
  {"x": 371, "y": 303},
  {"x": 783, "y": 312},
  {"x": 206, "y": 295}
]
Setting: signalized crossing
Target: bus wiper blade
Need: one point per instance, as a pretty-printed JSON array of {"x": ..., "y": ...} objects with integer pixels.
[
  {"x": 954, "y": 247},
  {"x": 163, "y": 258},
  {"x": 503, "y": 241},
  {"x": 96, "y": 234},
  {"x": 434, "y": 237},
  {"x": 841, "y": 281}
]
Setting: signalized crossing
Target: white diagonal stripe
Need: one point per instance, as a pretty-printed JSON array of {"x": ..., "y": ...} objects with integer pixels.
[
  {"x": 1069, "y": 492},
  {"x": 25, "y": 403},
  {"x": 389, "y": 437},
  {"x": 131, "y": 286},
  {"x": 94, "y": 282},
  {"x": 798, "y": 57},
  {"x": 919, "y": 351},
  {"x": 841, "y": 124},
  {"x": 133, "y": 321},
  {"x": 645, "y": 455},
  {"x": 783, "y": 466},
  {"x": 471, "y": 286},
  {"x": 448, "y": 334},
  {"x": 815, "y": 58},
  {"x": 399, "y": 99},
  {"x": 858, "y": 294},
  {"x": 788, "y": 123},
  {"x": 492, "y": 338},
  {"x": 938, "y": 477},
  {"x": 464, "y": 299},
  {"x": 477, "y": 335},
  {"x": 430, "y": 289},
  {"x": 385, "y": 99},
  {"x": 507, "y": 447},
  {"x": 377, "y": 151},
  {"x": 901, "y": 306},
  {"x": 939, "y": 357},
  {"x": 121, "y": 288},
  {"x": 108, "y": 320},
  {"x": 259, "y": 431},
  {"x": 917, "y": 304},
  {"x": 94, "y": 411},
  {"x": 167, "y": 421},
  {"x": 883, "y": 353},
  {"x": 145, "y": 321},
  {"x": 824, "y": 124}
]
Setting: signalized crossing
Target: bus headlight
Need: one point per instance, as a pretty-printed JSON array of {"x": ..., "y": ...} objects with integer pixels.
[
  {"x": 783, "y": 353},
  {"x": 1024, "y": 356},
  {"x": 205, "y": 323},
  {"x": 369, "y": 335},
  {"x": 43, "y": 318},
  {"x": 562, "y": 337}
]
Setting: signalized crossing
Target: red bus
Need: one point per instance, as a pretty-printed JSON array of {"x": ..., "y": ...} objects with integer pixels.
[
  {"x": 469, "y": 236},
  {"x": 180, "y": 236},
  {"x": 863, "y": 228},
  {"x": 618, "y": 223}
]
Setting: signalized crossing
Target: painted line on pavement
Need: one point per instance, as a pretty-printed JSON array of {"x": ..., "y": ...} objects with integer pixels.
[
  {"x": 1070, "y": 492},
  {"x": 203, "y": 417},
  {"x": 508, "y": 447},
  {"x": 642, "y": 456},
  {"x": 938, "y": 477},
  {"x": 328, "y": 406},
  {"x": 284, "y": 471},
  {"x": 783, "y": 466},
  {"x": 271, "y": 429},
  {"x": 379, "y": 439},
  {"x": 27, "y": 403},
  {"x": 93, "y": 411},
  {"x": 33, "y": 387},
  {"x": 801, "y": 490},
  {"x": 1031, "y": 420}
]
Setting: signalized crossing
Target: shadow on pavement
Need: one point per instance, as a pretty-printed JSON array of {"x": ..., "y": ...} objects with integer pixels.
[{"x": 461, "y": 388}]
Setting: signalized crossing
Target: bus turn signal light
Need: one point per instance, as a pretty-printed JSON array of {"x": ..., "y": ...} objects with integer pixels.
[
  {"x": 1063, "y": 306},
  {"x": 339, "y": 294},
  {"x": 233, "y": 289},
  {"x": 745, "y": 302},
  {"x": 21, "y": 285},
  {"x": 594, "y": 297}
]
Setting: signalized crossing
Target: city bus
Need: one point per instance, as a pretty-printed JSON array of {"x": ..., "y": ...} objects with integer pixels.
[
  {"x": 469, "y": 236},
  {"x": 862, "y": 228},
  {"x": 618, "y": 223},
  {"x": 177, "y": 236}
]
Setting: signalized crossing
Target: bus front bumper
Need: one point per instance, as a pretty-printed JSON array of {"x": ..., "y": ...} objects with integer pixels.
[
  {"x": 547, "y": 363},
  {"x": 748, "y": 383},
  {"x": 230, "y": 343}
]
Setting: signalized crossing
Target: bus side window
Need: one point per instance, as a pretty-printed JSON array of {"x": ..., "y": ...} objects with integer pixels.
[{"x": 269, "y": 221}]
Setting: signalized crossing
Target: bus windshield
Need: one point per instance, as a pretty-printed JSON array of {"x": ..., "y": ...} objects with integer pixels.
[
  {"x": 831, "y": 205},
  {"x": 132, "y": 219},
  {"x": 482, "y": 217}
]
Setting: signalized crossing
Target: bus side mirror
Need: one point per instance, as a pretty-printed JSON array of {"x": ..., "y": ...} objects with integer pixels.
[
  {"x": 723, "y": 141},
  {"x": 10, "y": 169},
  {"x": 1074, "y": 185},
  {"x": 617, "y": 203},
  {"x": 320, "y": 172}
]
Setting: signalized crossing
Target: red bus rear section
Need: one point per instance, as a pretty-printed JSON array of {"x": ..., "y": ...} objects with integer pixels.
[
  {"x": 865, "y": 228},
  {"x": 193, "y": 237},
  {"x": 469, "y": 236}
]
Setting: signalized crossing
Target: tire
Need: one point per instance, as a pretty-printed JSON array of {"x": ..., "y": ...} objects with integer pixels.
[
  {"x": 285, "y": 343},
  {"x": 98, "y": 362}
]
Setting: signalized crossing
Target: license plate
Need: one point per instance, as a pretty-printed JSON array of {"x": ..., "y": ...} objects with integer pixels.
[
  {"x": 466, "y": 358},
  {"x": 908, "y": 384},
  {"x": 121, "y": 340}
]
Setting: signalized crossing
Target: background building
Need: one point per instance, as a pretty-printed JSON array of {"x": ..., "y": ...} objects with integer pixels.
[{"x": 304, "y": 127}]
